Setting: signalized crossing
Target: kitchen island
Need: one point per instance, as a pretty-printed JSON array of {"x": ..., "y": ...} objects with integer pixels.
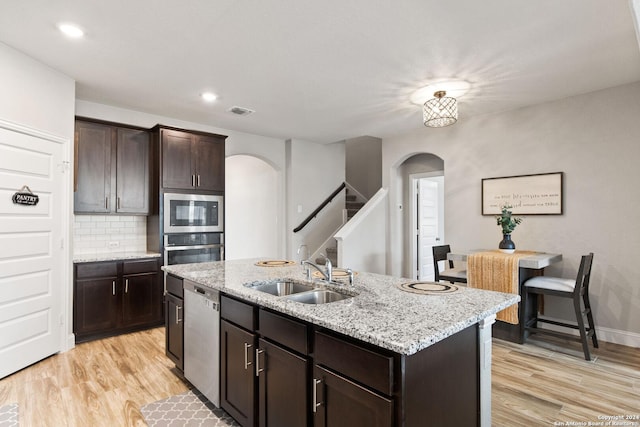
[{"x": 438, "y": 346}]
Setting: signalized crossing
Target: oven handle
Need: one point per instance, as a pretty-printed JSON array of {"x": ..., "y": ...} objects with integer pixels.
[{"x": 182, "y": 248}]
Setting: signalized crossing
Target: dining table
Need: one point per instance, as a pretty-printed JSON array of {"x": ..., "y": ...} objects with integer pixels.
[{"x": 484, "y": 274}]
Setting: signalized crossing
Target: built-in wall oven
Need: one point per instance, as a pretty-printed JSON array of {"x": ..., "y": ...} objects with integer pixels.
[
  {"x": 186, "y": 248},
  {"x": 193, "y": 228},
  {"x": 193, "y": 213}
]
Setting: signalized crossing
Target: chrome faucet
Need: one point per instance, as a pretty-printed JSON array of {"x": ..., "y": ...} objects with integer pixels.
[
  {"x": 327, "y": 275},
  {"x": 350, "y": 274}
]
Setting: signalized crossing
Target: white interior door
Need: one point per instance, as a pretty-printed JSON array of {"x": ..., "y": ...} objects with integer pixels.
[
  {"x": 31, "y": 256},
  {"x": 428, "y": 223}
]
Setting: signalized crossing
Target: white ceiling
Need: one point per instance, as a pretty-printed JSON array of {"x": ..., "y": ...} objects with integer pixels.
[{"x": 326, "y": 70}]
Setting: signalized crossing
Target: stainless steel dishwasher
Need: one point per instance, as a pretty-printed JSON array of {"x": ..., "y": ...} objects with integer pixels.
[{"x": 202, "y": 339}]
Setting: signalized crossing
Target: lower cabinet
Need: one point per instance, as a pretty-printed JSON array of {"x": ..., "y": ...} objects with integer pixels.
[
  {"x": 174, "y": 329},
  {"x": 116, "y": 296},
  {"x": 339, "y": 401},
  {"x": 265, "y": 370},
  {"x": 174, "y": 320},
  {"x": 237, "y": 374},
  {"x": 283, "y": 381},
  {"x": 278, "y": 371}
]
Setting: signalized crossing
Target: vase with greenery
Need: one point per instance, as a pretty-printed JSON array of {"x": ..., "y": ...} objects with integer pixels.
[{"x": 508, "y": 222}]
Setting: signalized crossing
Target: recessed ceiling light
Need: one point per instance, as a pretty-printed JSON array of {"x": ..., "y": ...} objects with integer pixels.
[
  {"x": 209, "y": 96},
  {"x": 454, "y": 89},
  {"x": 71, "y": 30}
]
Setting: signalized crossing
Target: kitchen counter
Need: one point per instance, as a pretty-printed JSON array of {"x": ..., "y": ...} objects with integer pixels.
[
  {"x": 113, "y": 256},
  {"x": 380, "y": 313}
]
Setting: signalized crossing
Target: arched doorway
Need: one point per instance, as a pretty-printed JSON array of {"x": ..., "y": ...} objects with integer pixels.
[
  {"x": 251, "y": 208},
  {"x": 423, "y": 214}
]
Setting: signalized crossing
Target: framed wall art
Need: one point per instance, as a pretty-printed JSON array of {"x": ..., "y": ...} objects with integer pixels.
[{"x": 539, "y": 194}]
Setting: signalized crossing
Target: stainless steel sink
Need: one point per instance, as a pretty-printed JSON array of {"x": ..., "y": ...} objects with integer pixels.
[
  {"x": 282, "y": 287},
  {"x": 318, "y": 296}
]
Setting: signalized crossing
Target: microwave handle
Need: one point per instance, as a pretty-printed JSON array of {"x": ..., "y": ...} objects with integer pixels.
[{"x": 182, "y": 248}]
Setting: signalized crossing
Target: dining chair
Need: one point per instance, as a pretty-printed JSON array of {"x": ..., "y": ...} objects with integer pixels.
[
  {"x": 576, "y": 289},
  {"x": 451, "y": 274}
]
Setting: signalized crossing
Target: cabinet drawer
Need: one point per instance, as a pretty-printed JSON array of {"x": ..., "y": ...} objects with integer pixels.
[
  {"x": 174, "y": 286},
  {"x": 240, "y": 313},
  {"x": 363, "y": 365},
  {"x": 96, "y": 269},
  {"x": 142, "y": 266},
  {"x": 288, "y": 332}
]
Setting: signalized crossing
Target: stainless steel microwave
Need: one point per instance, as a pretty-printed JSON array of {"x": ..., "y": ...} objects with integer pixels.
[{"x": 193, "y": 213}]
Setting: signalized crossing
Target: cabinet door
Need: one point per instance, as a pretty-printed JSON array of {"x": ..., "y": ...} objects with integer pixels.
[
  {"x": 283, "y": 387},
  {"x": 340, "y": 402},
  {"x": 237, "y": 376},
  {"x": 176, "y": 160},
  {"x": 142, "y": 300},
  {"x": 209, "y": 163},
  {"x": 174, "y": 330},
  {"x": 132, "y": 171},
  {"x": 95, "y": 306},
  {"x": 93, "y": 168}
]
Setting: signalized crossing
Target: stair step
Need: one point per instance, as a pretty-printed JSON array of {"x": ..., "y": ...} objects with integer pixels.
[
  {"x": 351, "y": 212},
  {"x": 354, "y": 205},
  {"x": 351, "y": 198},
  {"x": 330, "y": 251}
]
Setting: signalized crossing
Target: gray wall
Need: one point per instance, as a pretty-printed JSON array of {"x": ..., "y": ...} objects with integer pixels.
[
  {"x": 595, "y": 140},
  {"x": 363, "y": 163}
]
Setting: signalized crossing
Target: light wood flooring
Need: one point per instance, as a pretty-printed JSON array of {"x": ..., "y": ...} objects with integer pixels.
[{"x": 105, "y": 382}]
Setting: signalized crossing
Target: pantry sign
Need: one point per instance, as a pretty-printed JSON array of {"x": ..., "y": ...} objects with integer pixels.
[{"x": 25, "y": 197}]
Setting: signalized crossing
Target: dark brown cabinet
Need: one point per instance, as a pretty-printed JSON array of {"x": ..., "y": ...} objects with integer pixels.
[
  {"x": 342, "y": 402},
  {"x": 192, "y": 161},
  {"x": 283, "y": 381},
  {"x": 174, "y": 320},
  {"x": 352, "y": 385},
  {"x": 237, "y": 360},
  {"x": 116, "y": 296},
  {"x": 237, "y": 375},
  {"x": 265, "y": 368},
  {"x": 277, "y": 370},
  {"x": 111, "y": 169}
]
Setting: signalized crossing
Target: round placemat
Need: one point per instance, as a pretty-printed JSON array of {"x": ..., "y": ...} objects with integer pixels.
[
  {"x": 427, "y": 288},
  {"x": 275, "y": 263}
]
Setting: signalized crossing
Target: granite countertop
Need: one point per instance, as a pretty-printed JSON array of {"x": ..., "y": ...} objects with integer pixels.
[
  {"x": 113, "y": 256},
  {"x": 380, "y": 313}
]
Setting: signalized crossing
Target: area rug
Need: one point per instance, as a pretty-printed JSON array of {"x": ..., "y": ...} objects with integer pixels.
[
  {"x": 9, "y": 415},
  {"x": 190, "y": 409}
]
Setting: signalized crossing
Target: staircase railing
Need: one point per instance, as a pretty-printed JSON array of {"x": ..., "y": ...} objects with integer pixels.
[{"x": 319, "y": 208}]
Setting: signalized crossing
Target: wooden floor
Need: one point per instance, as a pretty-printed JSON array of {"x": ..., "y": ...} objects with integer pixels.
[
  {"x": 100, "y": 383},
  {"x": 104, "y": 383}
]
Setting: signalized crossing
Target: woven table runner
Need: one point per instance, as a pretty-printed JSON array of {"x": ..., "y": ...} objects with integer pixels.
[{"x": 497, "y": 271}]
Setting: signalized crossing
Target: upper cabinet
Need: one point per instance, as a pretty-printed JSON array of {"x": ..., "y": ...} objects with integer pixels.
[
  {"x": 192, "y": 161},
  {"x": 111, "y": 169}
]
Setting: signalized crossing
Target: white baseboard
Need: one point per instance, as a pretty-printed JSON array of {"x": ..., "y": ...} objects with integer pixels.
[
  {"x": 71, "y": 342},
  {"x": 615, "y": 336}
]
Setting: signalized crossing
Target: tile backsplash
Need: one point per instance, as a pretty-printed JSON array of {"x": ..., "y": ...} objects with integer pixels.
[{"x": 95, "y": 234}]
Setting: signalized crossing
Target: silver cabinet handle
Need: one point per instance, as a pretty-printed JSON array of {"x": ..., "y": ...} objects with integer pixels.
[
  {"x": 193, "y": 180},
  {"x": 117, "y": 202},
  {"x": 246, "y": 356},
  {"x": 198, "y": 180},
  {"x": 178, "y": 319},
  {"x": 315, "y": 395},
  {"x": 259, "y": 351},
  {"x": 113, "y": 288},
  {"x": 106, "y": 203},
  {"x": 126, "y": 286}
]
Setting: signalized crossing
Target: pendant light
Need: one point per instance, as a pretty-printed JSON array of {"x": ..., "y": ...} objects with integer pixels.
[{"x": 440, "y": 111}]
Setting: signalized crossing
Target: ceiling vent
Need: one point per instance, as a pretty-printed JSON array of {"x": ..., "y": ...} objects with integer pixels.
[{"x": 240, "y": 111}]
